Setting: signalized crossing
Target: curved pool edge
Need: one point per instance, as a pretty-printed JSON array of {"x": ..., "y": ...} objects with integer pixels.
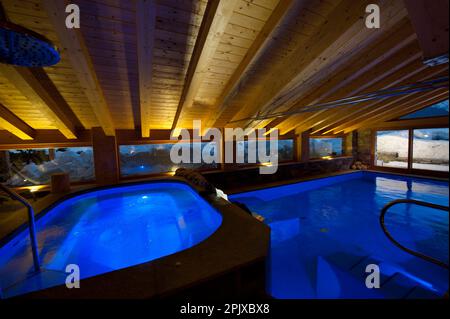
[{"x": 240, "y": 243}]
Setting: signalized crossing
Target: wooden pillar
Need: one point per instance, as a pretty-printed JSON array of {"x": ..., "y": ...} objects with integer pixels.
[
  {"x": 355, "y": 144},
  {"x": 106, "y": 159},
  {"x": 302, "y": 141},
  {"x": 51, "y": 153},
  {"x": 410, "y": 148},
  {"x": 60, "y": 183},
  {"x": 5, "y": 166}
]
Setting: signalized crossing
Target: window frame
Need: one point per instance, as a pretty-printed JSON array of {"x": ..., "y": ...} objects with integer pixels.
[
  {"x": 341, "y": 137},
  {"x": 240, "y": 166},
  {"x": 162, "y": 174},
  {"x": 410, "y": 169},
  {"x": 46, "y": 187}
]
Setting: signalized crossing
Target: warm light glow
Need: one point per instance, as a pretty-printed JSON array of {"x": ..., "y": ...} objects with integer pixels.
[
  {"x": 327, "y": 157},
  {"x": 34, "y": 189},
  {"x": 172, "y": 171},
  {"x": 14, "y": 130},
  {"x": 270, "y": 131},
  {"x": 176, "y": 132},
  {"x": 268, "y": 164}
]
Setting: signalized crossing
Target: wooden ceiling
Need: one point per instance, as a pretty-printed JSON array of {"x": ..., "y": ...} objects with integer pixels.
[{"x": 160, "y": 64}]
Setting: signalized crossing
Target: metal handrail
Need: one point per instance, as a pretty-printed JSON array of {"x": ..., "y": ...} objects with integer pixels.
[
  {"x": 410, "y": 251},
  {"x": 31, "y": 224}
]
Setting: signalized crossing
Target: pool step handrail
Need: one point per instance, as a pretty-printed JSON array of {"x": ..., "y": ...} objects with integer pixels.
[
  {"x": 395, "y": 242},
  {"x": 31, "y": 224}
]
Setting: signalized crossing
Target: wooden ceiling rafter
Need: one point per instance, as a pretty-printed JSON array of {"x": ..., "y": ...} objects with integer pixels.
[
  {"x": 355, "y": 112},
  {"x": 74, "y": 46},
  {"x": 400, "y": 77},
  {"x": 342, "y": 83},
  {"x": 31, "y": 84},
  {"x": 145, "y": 22},
  {"x": 415, "y": 103},
  {"x": 215, "y": 20},
  {"x": 374, "y": 109},
  {"x": 10, "y": 122},
  {"x": 239, "y": 76},
  {"x": 158, "y": 64},
  {"x": 366, "y": 78},
  {"x": 335, "y": 43},
  {"x": 356, "y": 77}
]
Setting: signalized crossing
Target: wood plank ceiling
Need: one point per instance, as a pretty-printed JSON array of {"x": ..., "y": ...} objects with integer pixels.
[{"x": 160, "y": 64}]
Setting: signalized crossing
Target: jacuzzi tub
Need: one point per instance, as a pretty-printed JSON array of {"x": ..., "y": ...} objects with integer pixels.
[{"x": 106, "y": 230}]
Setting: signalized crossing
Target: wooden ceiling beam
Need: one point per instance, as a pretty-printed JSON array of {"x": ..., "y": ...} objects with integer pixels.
[
  {"x": 363, "y": 76},
  {"x": 396, "y": 73},
  {"x": 215, "y": 19},
  {"x": 400, "y": 109},
  {"x": 373, "y": 108},
  {"x": 381, "y": 110},
  {"x": 10, "y": 122},
  {"x": 367, "y": 65},
  {"x": 44, "y": 139},
  {"x": 75, "y": 49},
  {"x": 336, "y": 43},
  {"x": 441, "y": 121},
  {"x": 240, "y": 75},
  {"x": 32, "y": 85},
  {"x": 145, "y": 22}
]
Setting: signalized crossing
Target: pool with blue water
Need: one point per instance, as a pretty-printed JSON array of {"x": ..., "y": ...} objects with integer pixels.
[
  {"x": 107, "y": 230},
  {"x": 325, "y": 232}
]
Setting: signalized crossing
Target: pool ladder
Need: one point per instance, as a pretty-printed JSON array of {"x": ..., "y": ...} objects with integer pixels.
[
  {"x": 395, "y": 242},
  {"x": 31, "y": 226}
]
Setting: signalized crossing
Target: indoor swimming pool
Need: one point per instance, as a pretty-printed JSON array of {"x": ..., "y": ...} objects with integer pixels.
[{"x": 326, "y": 231}]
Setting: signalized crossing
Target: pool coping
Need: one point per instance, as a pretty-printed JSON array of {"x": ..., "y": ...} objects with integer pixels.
[{"x": 239, "y": 241}]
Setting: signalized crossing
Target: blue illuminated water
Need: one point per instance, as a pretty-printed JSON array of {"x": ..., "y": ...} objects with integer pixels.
[
  {"x": 107, "y": 230},
  {"x": 324, "y": 233}
]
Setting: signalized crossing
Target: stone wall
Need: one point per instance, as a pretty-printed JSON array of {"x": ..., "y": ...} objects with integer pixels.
[
  {"x": 349, "y": 140},
  {"x": 364, "y": 146}
]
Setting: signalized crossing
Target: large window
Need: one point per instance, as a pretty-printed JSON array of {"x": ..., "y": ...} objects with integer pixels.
[
  {"x": 324, "y": 147},
  {"x": 391, "y": 148},
  {"x": 430, "y": 149},
  {"x": 155, "y": 159},
  {"x": 28, "y": 167},
  {"x": 285, "y": 150}
]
